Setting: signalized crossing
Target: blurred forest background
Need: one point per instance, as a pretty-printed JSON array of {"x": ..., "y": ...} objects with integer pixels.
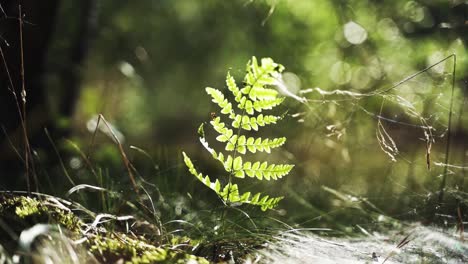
[{"x": 144, "y": 65}]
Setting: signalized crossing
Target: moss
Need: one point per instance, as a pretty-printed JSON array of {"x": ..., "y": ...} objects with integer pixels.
[
  {"x": 28, "y": 206},
  {"x": 22, "y": 212},
  {"x": 116, "y": 247},
  {"x": 30, "y": 210}
]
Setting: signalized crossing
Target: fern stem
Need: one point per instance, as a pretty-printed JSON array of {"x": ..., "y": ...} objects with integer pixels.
[
  {"x": 238, "y": 133},
  {"x": 231, "y": 174}
]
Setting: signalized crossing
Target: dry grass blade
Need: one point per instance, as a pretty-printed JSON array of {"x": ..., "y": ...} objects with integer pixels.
[
  {"x": 127, "y": 162},
  {"x": 29, "y": 164},
  {"x": 460, "y": 226},
  {"x": 400, "y": 245},
  {"x": 386, "y": 142},
  {"x": 7, "y": 137},
  {"x": 102, "y": 218},
  {"x": 429, "y": 140},
  {"x": 449, "y": 134},
  {"x": 85, "y": 186}
]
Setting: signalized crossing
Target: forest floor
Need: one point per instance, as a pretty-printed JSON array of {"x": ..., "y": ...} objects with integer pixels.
[
  {"x": 44, "y": 228},
  {"x": 412, "y": 244}
]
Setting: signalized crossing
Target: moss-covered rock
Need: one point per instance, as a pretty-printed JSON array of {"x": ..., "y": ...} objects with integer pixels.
[
  {"x": 23, "y": 211},
  {"x": 115, "y": 247},
  {"x": 19, "y": 213}
]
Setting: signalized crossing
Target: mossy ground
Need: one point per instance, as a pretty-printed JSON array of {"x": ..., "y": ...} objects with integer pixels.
[
  {"x": 20, "y": 212},
  {"x": 27, "y": 211}
]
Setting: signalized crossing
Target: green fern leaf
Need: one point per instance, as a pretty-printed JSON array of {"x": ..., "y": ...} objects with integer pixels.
[
  {"x": 265, "y": 171},
  {"x": 259, "y": 170},
  {"x": 217, "y": 186},
  {"x": 232, "y": 86},
  {"x": 248, "y": 123},
  {"x": 225, "y": 134},
  {"x": 228, "y": 163},
  {"x": 245, "y": 197},
  {"x": 205, "y": 180},
  {"x": 218, "y": 98},
  {"x": 255, "y": 198},
  {"x": 231, "y": 194},
  {"x": 259, "y": 106},
  {"x": 260, "y": 93},
  {"x": 258, "y": 145},
  {"x": 230, "y": 146},
  {"x": 255, "y": 97},
  {"x": 237, "y": 165},
  {"x": 201, "y": 131}
]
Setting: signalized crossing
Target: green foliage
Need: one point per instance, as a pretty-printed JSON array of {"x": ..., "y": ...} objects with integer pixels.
[{"x": 253, "y": 98}]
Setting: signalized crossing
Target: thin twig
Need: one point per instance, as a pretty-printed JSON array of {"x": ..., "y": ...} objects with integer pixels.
[
  {"x": 449, "y": 134},
  {"x": 23, "y": 100},
  {"x": 461, "y": 228},
  {"x": 400, "y": 245},
  {"x": 122, "y": 152},
  {"x": 27, "y": 147}
]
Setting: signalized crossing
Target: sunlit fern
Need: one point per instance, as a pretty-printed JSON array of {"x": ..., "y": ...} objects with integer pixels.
[{"x": 251, "y": 100}]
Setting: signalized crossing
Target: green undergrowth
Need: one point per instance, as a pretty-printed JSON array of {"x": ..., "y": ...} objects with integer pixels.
[{"x": 19, "y": 214}]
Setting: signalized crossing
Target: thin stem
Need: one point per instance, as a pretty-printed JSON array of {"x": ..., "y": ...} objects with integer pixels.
[
  {"x": 27, "y": 147},
  {"x": 449, "y": 134},
  {"x": 122, "y": 153}
]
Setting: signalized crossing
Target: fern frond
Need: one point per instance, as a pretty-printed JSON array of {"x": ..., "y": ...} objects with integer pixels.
[
  {"x": 255, "y": 96},
  {"x": 241, "y": 143},
  {"x": 259, "y": 170},
  {"x": 257, "y": 144},
  {"x": 252, "y": 122},
  {"x": 218, "y": 98},
  {"x": 265, "y": 202},
  {"x": 231, "y": 193},
  {"x": 225, "y": 134},
  {"x": 215, "y": 186},
  {"x": 259, "y": 106},
  {"x": 251, "y": 106},
  {"x": 232, "y": 86},
  {"x": 264, "y": 74}
]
